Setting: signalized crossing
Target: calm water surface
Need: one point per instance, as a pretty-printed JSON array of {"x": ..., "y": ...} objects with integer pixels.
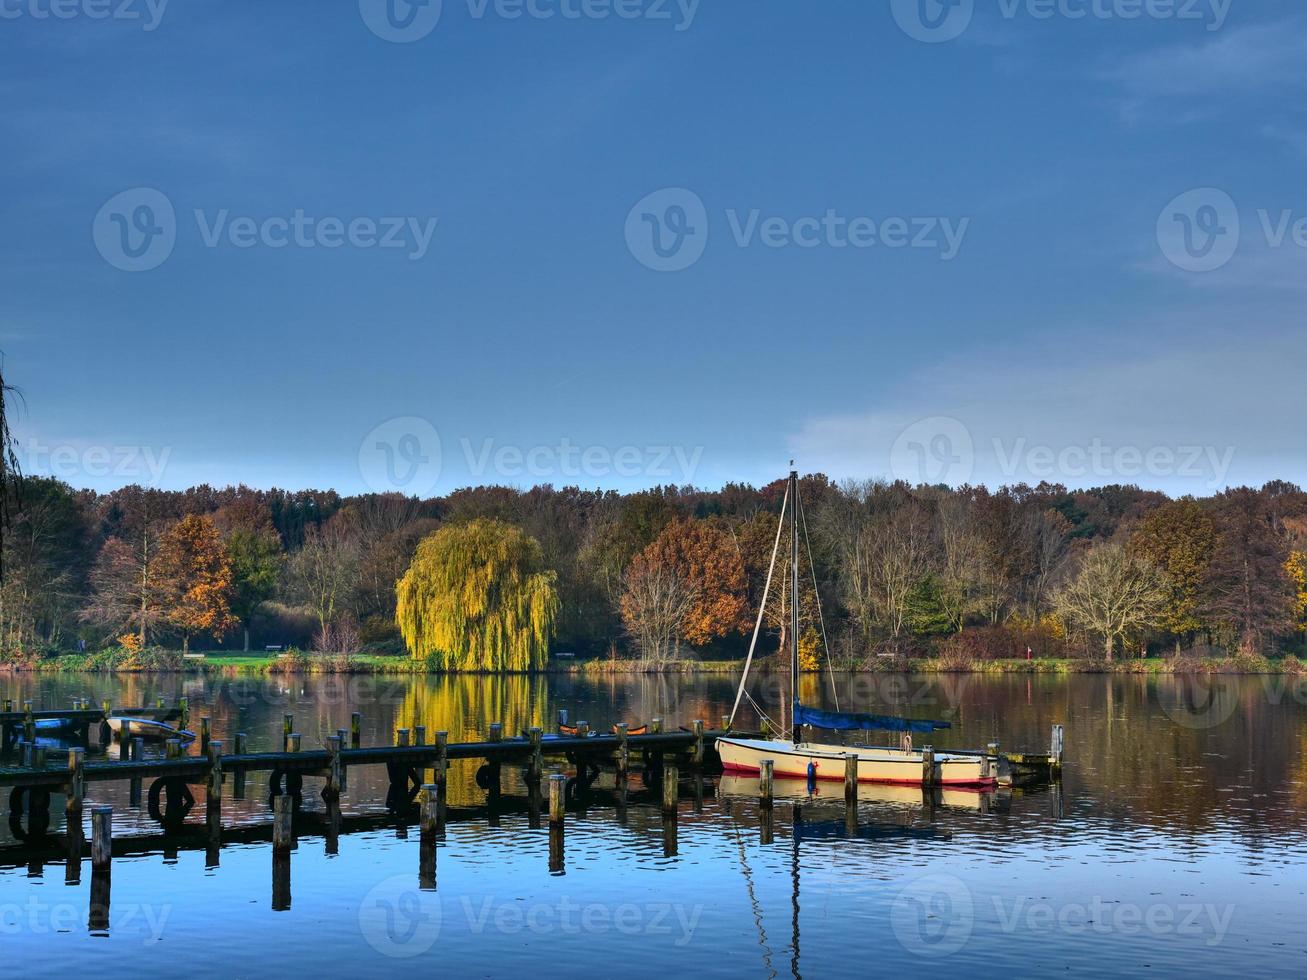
[{"x": 1175, "y": 846}]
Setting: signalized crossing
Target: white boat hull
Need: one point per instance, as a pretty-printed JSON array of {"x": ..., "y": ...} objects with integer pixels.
[{"x": 875, "y": 765}]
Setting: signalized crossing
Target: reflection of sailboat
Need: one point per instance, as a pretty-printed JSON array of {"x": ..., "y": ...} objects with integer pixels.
[
  {"x": 746, "y": 787},
  {"x": 795, "y": 757}
]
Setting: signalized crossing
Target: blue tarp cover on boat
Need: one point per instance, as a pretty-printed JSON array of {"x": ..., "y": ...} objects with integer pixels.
[{"x": 849, "y": 721}]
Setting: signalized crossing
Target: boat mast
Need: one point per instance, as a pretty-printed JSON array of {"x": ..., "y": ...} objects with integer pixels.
[{"x": 794, "y": 604}]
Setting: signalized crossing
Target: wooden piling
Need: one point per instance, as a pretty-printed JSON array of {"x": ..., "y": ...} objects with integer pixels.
[
  {"x": 283, "y": 826},
  {"x": 401, "y": 737},
  {"x": 537, "y": 764},
  {"x": 496, "y": 732},
  {"x": 29, "y": 723},
  {"x": 238, "y": 779},
  {"x": 623, "y": 757},
  {"x": 562, "y": 717},
  {"x": 442, "y": 758},
  {"x": 656, "y": 726},
  {"x": 851, "y": 777},
  {"x": 355, "y": 730},
  {"x": 173, "y": 748},
  {"x": 557, "y": 797},
  {"x": 39, "y": 757},
  {"x": 583, "y": 729},
  {"x": 101, "y": 838},
  {"x": 295, "y": 741},
  {"x": 764, "y": 726},
  {"x": 213, "y": 790},
  {"x": 430, "y": 813},
  {"x": 766, "y": 782},
  {"x": 335, "y": 768},
  {"x": 287, "y": 726},
  {"x": 185, "y": 718},
  {"x": 671, "y": 788},
  {"x": 697, "y": 728},
  {"x": 205, "y": 734},
  {"x": 420, "y": 735},
  {"x": 726, "y": 723},
  {"x": 76, "y": 790},
  {"x": 1055, "y": 751},
  {"x": 929, "y": 776}
]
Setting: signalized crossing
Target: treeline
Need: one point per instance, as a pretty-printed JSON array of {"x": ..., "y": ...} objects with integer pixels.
[{"x": 967, "y": 573}]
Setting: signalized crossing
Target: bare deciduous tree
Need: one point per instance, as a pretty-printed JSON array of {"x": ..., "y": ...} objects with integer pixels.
[
  {"x": 1114, "y": 596},
  {"x": 655, "y": 604}
]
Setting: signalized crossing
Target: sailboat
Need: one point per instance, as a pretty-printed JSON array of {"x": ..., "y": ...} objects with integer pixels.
[{"x": 797, "y": 757}]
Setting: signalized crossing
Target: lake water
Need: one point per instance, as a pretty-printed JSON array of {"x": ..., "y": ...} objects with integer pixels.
[{"x": 1174, "y": 846}]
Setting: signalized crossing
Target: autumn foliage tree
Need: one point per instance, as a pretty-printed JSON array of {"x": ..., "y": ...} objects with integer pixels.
[
  {"x": 476, "y": 598},
  {"x": 1178, "y": 537},
  {"x": 709, "y": 566},
  {"x": 197, "y": 579},
  {"x": 1248, "y": 591}
]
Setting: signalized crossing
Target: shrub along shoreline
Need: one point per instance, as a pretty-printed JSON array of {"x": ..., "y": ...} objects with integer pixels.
[{"x": 295, "y": 662}]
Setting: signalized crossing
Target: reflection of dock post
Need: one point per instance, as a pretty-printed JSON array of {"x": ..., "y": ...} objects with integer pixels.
[
  {"x": 766, "y": 775},
  {"x": 557, "y": 798},
  {"x": 766, "y": 825},
  {"x": 97, "y": 919},
  {"x": 851, "y": 792},
  {"x": 556, "y": 863},
  {"x": 206, "y": 733},
  {"x": 280, "y": 880},
  {"x": 429, "y": 829},
  {"x": 355, "y": 730},
  {"x": 669, "y": 835},
  {"x": 105, "y": 734}
]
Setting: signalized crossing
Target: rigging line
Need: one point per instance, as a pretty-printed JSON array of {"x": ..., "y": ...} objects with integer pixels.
[
  {"x": 812, "y": 567},
  {"x": 757, "y": 626},
  {"x": 755, "y": 904},
  {"x": 762, "y": 715}
]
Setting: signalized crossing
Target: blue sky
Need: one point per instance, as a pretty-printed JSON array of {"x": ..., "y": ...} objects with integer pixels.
[{"x": 914, "y": 240}]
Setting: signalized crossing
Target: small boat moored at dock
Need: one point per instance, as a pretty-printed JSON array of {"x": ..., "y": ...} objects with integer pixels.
[
  {"x": 875, "y": 765},
  {"x": 151, "y": 731}
]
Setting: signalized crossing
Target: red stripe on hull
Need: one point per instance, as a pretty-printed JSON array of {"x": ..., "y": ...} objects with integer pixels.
[{"x": 839, "y": 778}]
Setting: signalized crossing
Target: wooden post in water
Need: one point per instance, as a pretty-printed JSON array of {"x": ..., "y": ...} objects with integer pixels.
[
  {"x": 185, "y": 718},
  {"x": 73, "y": 806},
  {"x": 928, "y": 774},
  {"x": 537, "y": 763},
  {"x": 335, "y": 768},
  {"x": 851, "y": 777},
  {"x": 173, "y": 748},
  {"x": 562, "y": 717},
  {"x": 496, "y": 732},
  {"x": 238, "y": 782},
  {"x": 429, "y": 820},
  {"x": 213, "y": 791},
  {"x": 671, "y": 788},
  {"x": 764, "y": 726},
  {"x": 766, "y": 772},
  {"x": 726, "y": 723},
  {"x": 29, "y": 723},
  {"x": 583, "y": 729},
  {"x": 442, "y": 759},
  {"x": 105, "y": 733},
  {"x": 623, "y": 754},
  {"x": 420, "y": 735},
  {"x": 287, "y": 726},
  {"x": 355, "y": 730},
  {"x": 697, "y": 728},
  {"x": 401, "y": 737},
  {"x": 429, "y": 823},
  {"x": 101, "y": 838},
  {"x": 283, "y": 826},
  {"x": 557, "y": 797},
  {"x": 205, "y": 734},
  {"x": 136, "y": 752},
  {"x": 1055, "y": 751},
  {"x": 656, "y": 726},
  {"x": 294, "y": 741},
  {"x": 39, "y": 756}
]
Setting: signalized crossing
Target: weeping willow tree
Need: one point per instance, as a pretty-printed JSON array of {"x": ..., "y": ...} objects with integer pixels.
[{"x": 476, "y": 598}]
